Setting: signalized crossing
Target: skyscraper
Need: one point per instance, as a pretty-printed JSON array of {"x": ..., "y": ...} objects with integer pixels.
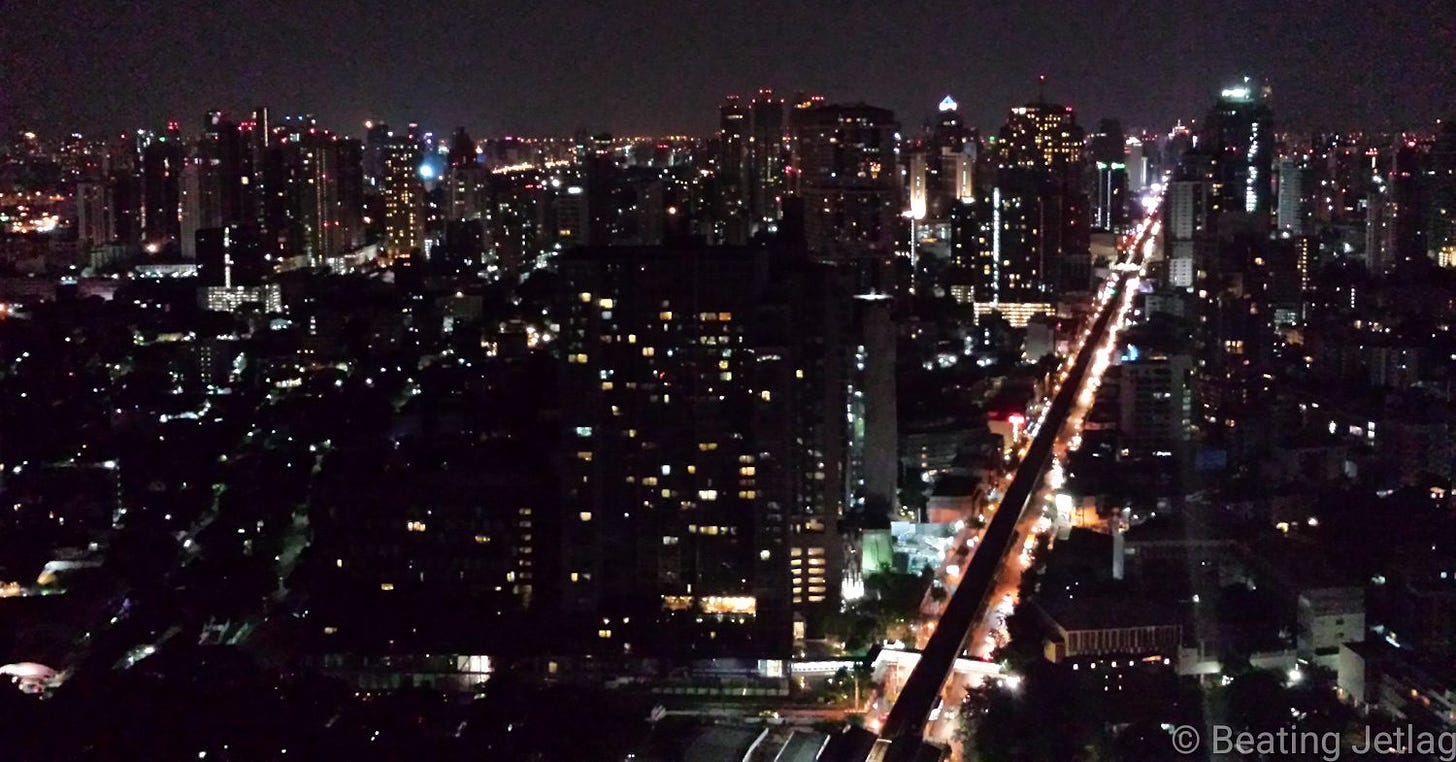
[
  {"x": 1045, "y": 138},
  {"x": 1137, "y": 166},
  {"x": 1240, "y": 133},
  {"x": 1406, "y": 201},
  {"x": 350, "y": 188},
  {"x": 1108, "y": 148},
  {"x": 403, "y": 194},
  {"x": 124, "y": 190},
  {"x": 1441, "y": 196},
  {"x": 942, "y": 165},
  {"x": 313, "y": 190},
  {"x": 874, "y": 438},
  {"x": 93, "y": 214},
  {"x": 846, "y": 167},
  {"x": 767, "y": 152},
  {"x": 223, "y": 149},
  {"x": 1296, "y": 195},
  {"x": 1156, "y": 400},
  {"x": 162, "y": 159},
  {"x": 1186, "y": 228},
  {"x": 200, "y": 199},
  {"x": 703, "y": 414},
  {"x": 1033, "y": 231},
  {"x": 464, "y": 180},
  {"x": 733, "y": 134}
]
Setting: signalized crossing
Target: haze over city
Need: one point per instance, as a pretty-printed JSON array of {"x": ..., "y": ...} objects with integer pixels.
[{"x": 651, "y": 67}]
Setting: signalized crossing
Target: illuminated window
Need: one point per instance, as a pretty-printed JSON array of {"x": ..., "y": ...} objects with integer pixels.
[
  {"x": 707, "y": 494},
  {"x": 649, "y": 352},
  {"x": 608, "y": 303},
  {"x": 725, "y": 376},
  {"x": 665, "y": 315},
  {"x": 766, "y": 395},
  {"x": 584, "y": 515},
  {"x": 482, "y": 539},
  {"x": 386, "y": 586},
  {"x": 747, "y": 471},
  {"x": 415, "y": 526},
  {"x": 728, "y": 604},
  {"x": 584, "y": 297},
  {"x": 584, "y": 455},
  {"x": 725, "y": 316},
  {"x": 607, "y": 386}
]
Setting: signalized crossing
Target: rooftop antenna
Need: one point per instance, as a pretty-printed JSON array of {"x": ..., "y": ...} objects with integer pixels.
[{"x": 1041, "y": 89}]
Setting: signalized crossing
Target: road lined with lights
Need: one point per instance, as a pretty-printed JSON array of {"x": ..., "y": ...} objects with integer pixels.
[{"x": 963, "y": 612}]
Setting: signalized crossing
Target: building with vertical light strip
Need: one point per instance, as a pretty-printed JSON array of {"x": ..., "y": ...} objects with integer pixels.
[{"x": 1028, "y": 236}]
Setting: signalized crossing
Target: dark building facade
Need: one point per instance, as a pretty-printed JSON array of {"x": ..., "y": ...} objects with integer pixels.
[{"x": 846, "y": 171}]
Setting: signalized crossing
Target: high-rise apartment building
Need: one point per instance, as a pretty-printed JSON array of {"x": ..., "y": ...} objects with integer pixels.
[
  {"x": 161, "y": 175},
  {"x": 1441, "y": 196},
  {"x": 404, "y": 198},
  {"x": 464, "y": 179},
  {"x": 767, "y": 157},
  {"x": 1295, "y": 214},
  {"x": 315, "y": 229},
  {"x": 350, "y": 189},
  {"x": 703, "y": 413},
  {"x": 846, "y": 166},
  {"x": 93, "y": 214},
  {"x": 1156, "y": 400}
]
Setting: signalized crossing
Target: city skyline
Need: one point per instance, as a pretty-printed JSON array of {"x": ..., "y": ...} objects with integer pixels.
[
  {"x": 557, "y": 74},
  {"x": 717, "y": 382}
]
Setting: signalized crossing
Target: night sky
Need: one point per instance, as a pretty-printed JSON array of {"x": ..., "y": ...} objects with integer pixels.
[{"x": 650, "y": 66}]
